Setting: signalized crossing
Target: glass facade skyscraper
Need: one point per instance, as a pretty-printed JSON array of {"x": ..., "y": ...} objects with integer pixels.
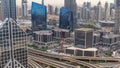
[
  {"x": 8, "y": 9},
  {"x": 13, "y": 45},
  {"x": 72, "y": 6},
  {"x": 66, "y": 19},
  {"x": 39, "y": 17}
]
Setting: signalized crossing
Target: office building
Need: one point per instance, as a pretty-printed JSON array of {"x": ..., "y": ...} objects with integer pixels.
[
  {"x": 72, "y": 6},
  {"x": 106, "y": 11},
  {"x": 43, "y": 37},
  {"x": 60, "y": 33},
  {"x": 84, "y": 38},
  {"x": 99, "y": 11},
  {"x": 66, "y": 19},
  {"x": 19, "y": 12},
  {"x": 39, "y": 17},
  {"x": 13, "y": 45},
  {"x": 117, "y": 16},
  {"x": 112, "y": 6},
  {"x": 50, "y": 9},
  {"x": 0, "y": 11},
  {"x": 89, "y": 52},
  {"x": 56, "y": 10},
  {"x": 8, "y": 9},
  {"x": 24, "y": 8}
]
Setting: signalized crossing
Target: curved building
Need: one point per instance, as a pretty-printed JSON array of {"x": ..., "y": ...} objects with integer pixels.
[
  {"x": 39, "y": 17},
  {"x": 66, "y": 19}
]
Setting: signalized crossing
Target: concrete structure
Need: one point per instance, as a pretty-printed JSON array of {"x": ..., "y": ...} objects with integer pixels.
[
  {"x": 8, "y": 9},
  {"x": 13, "y": 45},
  {"x": 84, "y": 37},
  {"x": 43, "y": 37},
  {"x": 92, "y": 52},
  {"x": 63, "y": 33}
]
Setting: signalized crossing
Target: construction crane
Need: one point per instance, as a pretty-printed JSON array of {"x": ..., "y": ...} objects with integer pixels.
[{"x": 61, "y": 42}]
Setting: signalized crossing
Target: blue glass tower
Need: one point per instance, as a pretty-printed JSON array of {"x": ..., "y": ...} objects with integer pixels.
[
  {"x": 66, "y": 19},
  {"x": 39, "y": 17}
]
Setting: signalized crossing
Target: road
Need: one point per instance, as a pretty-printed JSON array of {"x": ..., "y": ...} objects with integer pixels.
[
  {"x": 33, "y": 64},
  {"x": 67, "y": 58},
  {"x": 50, "y": 62},
  {"x": 108, "y": 59}
]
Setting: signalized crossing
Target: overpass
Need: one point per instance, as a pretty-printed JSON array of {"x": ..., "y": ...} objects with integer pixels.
[
  {"x": 66, "y": 58},
  {"x": 50, "y": 62}
]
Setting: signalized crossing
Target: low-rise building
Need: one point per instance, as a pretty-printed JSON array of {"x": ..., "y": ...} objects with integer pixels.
[{"x": 43, "y": 37}]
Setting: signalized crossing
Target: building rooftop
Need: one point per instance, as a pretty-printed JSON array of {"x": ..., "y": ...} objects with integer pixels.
[
  {"x": 111, "y": 36},
  {"x": 84, "y": 29},
  {"x": 88, "y": 49},
  {"x": 44, "y": 32},
  {"x": 58, "y": 29}
]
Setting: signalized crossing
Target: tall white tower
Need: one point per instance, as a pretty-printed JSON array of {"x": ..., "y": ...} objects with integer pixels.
[{"x": 24, "y": 8}]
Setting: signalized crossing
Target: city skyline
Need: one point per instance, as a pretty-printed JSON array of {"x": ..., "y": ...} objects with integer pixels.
[{"x": 61, "y": 2}]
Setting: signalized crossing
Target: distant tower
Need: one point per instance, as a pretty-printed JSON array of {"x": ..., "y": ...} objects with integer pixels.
[
  {"x": 42, "y": 2},
  {"x": 72, "y": 6},
  {"x": 8, "y": 9},
  {"x": 106, "y": 11},
  {"x": 117, "y": 16},
  {"x": 24, "y": 8},
  {"x": 99, "y": 10}
]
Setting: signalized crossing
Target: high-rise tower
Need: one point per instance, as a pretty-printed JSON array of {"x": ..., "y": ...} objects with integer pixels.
[
  {"x": 24, "y": 8},
  {"x": 72, "y": 6},
  {"x": 106, "y": 11},
  {"x": 8, "y": 9},
  {"x": 117, "y": 16},
  {"x": 13, "y": 45},
  {"x": 99, "y": 10}
]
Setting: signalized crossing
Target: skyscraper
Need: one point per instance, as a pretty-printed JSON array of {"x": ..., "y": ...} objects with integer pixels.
[
  {"x": 99, "y": 10},
  {"x": 13, "y": 45},
  {"x": 50, "y": 9},
  {"x": 0, "y": 11},
  {"x": 24, "y": 8},
  {"x": 56, "y": 10},
  {"x": 106, "y": 11},
  {"x": 8, "y": 9},
  {"x": 66, "y": 19},
  {"x": 72, "y": 6},
  {"x": 39, "y": 17},
  {"x": 117, "y": 16},
  {"x": 84, "y": 38}
]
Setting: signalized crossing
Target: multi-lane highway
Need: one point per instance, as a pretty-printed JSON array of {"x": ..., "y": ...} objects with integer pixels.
[
  {"x": 50, "y": 62},
  {"x": 38, "y": 53},
  {"x": 107, "y": 59},
  {"x": 33, "y": 64}
]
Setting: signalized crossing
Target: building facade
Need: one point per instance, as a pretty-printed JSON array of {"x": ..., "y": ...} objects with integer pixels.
[
  {"x": 43, "y": 37},
  {"x": 13, "y": 45},
  {"x": 84, "y": 38},
  {"x": 66, "y": 19},
  {"x": 117, "y": 16},
  {"x": 24, "y": 8},
  {"x": 8, "y": 9},
  {"x": 72, "y": 6},
  {"x": 39, "y": 17}
]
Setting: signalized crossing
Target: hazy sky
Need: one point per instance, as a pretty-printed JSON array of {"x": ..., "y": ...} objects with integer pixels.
[{"x": 61, "y": 2}]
